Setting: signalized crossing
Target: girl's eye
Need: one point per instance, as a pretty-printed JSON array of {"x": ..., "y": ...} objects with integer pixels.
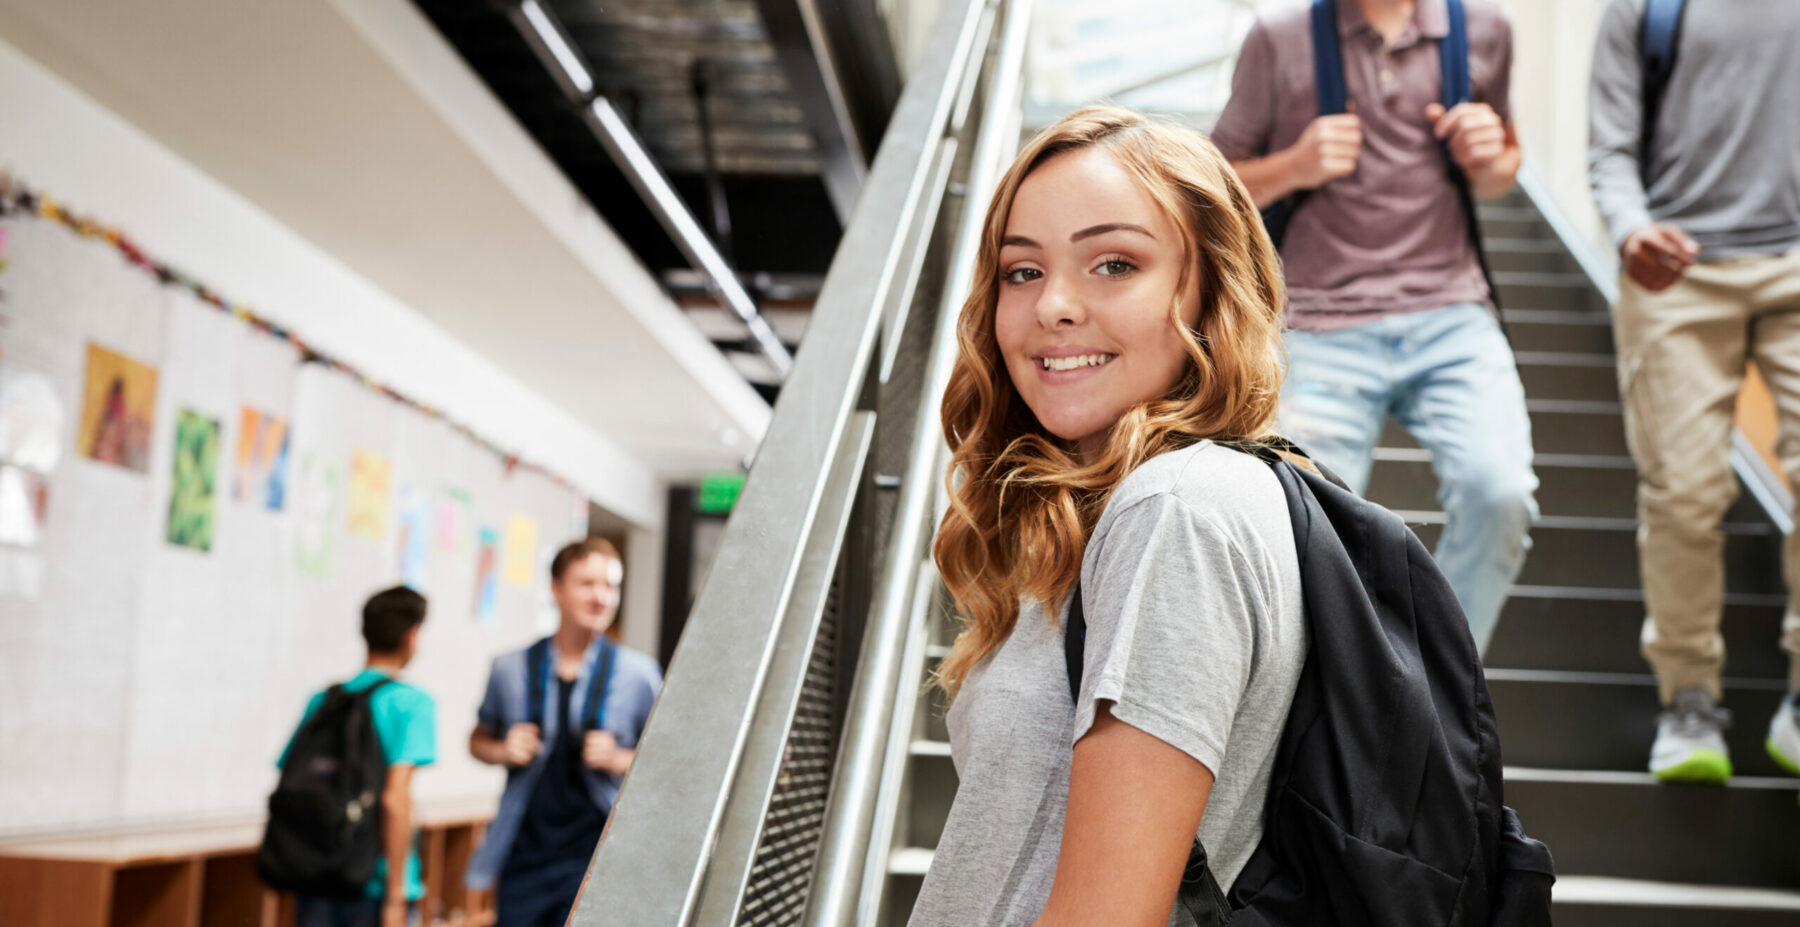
[
  {"x": 1022, "y": 275},
  {"x": 1115, "y": 268}
]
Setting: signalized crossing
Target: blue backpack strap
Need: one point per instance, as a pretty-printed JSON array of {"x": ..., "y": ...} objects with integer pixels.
[
  {"x": 1334, "y": 98},
  {"x": 1658, "y": 43},
  {"x": 594, "y": 711},
  {"x": 1453, "y": 54},
  {"x": 537, "y": 677},
  {"x": 1328, "y": 60}
]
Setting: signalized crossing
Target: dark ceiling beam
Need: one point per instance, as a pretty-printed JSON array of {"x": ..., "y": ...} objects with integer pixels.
[{"x": 840, "y": 68}]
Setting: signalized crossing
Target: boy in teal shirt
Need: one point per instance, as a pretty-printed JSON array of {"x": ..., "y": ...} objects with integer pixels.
[{"x": 406, "y": 722}]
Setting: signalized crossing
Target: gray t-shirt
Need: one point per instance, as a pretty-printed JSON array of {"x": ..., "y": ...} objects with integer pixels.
[{"x": 1191, "y": 590}]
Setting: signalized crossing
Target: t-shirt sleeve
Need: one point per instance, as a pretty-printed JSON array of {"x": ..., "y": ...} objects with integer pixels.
[
  {"x": 490, "y": 715},
  {"x": 1248, "y": 119},
  {"x": 413, "y": 735},
  {"x": 1170, "y": 604}
]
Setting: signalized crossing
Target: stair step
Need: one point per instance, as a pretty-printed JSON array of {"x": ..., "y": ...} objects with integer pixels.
[
  {"x": 1530, "y": 290},
  {"x": 1602, "y": 553},
  {"x": 1558, "y": 426},
  {"x": 1608, "y": 490},
  {"x": 1532, "y": 254},
  {"x": 1605, "y": 721},
  {"x": 1557, "y": 375},
  {"x": 1596, "y": 630},
  {"x": 1599, "y": 901},
  {"x": 910, "y": 861},
  {"x": 1514, "y": 225},
  {"x": 1628, "y": 825},
  {"x": 1573, "y": 332}
]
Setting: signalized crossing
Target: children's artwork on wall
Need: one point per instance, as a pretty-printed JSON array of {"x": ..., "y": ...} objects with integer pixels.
[
  {"x": 262, "y": 459},
  {"x": 31, "y": 420},
  {"x": 118, "y": 411},
  {"x": 370, "y": 494},
  {"x": 415, "y": 538},
  {"x": 317, "y": 495},
  {"x": 487, "y": 577},
  {"x": 192, "y": 479},
  {"x": 453, "y": 522},
  {"x": 521, "y": 550}
]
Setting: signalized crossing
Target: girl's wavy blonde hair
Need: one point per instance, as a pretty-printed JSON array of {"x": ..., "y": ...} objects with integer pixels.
[{"x": 1021, "y": 504}]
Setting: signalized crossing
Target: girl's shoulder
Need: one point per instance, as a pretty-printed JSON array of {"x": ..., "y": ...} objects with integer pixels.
[{"x": 1228, "y": 488}]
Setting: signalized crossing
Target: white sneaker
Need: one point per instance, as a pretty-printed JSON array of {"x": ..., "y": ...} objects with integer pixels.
[
  {"x": 1784, "y": 734},
  {"x": 1690, "y": 741}
]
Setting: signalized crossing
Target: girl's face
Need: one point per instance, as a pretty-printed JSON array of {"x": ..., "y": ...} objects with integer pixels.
[{"x": 1088, "y": 269}]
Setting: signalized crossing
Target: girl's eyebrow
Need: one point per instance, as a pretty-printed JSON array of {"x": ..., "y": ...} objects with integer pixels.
[{"x": 1088, "y": 232}]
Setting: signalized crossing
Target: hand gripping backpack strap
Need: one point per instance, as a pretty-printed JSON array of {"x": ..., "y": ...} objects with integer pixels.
[
  {"x": 1334, "y": 98},
  {"x": 1453, "y": 60},
  {"x": 1199, "y": 894}
]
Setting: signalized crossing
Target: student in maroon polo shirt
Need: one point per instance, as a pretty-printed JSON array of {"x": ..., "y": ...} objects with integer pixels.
[{"x": 1388, "y": 310}]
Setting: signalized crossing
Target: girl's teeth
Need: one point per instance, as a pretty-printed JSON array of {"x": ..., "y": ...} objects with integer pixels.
[{"x": 1071, "y": 363}]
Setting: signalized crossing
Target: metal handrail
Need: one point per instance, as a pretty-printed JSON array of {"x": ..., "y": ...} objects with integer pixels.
[
  {"x": 676, "y": 844},
  {"x": 842, "y": 877}
]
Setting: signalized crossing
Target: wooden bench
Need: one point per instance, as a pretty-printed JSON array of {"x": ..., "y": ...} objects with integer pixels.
[{"x": 206, "y": 876}]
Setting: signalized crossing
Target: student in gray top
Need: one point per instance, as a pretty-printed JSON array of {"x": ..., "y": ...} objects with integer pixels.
[
  {"x": 1125, "y": 315},
  {"x": 1702, "y": 196},
  {"x": 1390, "y": 313}
]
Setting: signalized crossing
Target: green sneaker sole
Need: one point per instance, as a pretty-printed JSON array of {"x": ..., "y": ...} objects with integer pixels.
[
  {"x": 1781, "y": 759},
  {"x": 1702, "y": 767}
]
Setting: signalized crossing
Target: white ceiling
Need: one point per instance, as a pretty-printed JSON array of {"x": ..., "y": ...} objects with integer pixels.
[{"x": 354, "y": 124}]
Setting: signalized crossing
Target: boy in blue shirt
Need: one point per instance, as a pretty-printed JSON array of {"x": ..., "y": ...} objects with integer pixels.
[
  {"x": 563, "y": 716},
  {"x": 406, "y": 722}
]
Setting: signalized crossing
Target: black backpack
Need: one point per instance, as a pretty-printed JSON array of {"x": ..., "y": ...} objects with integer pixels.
[
  {"x": 324, "y": 832},
  {"x": 1385, "y": 805}
]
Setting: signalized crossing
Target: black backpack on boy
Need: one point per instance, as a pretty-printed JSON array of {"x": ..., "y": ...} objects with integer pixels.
[
  {"x": 1385, "y": 805},
  {"x": 324, "y": 832}
]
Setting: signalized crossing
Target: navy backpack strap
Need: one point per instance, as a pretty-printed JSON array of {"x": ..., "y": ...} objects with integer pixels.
[
  {"x": 537, "y": 658},
  {"x": 593, "y": 711},
  {"x": 1334, "y": 98},
  {"x": 1453, "y": 58},
  {"x": 1659, "y": 41}
]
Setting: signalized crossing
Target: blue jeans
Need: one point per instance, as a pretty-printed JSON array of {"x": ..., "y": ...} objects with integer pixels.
[
  {"x": 1448, "y": 377},
  {"x": 310, "y": 911}
]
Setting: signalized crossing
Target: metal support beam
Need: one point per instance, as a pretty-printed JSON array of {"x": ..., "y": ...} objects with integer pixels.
[
  {"x": 568, "y": 66},
  {"x": 799, "y": 32}
]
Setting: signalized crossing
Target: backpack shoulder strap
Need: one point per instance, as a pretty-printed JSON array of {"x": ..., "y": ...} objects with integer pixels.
[
  {"x": 1658, "y": 43},
  {"x": 593, "y": 712},
  {"x": 1334, "y": 97},
  {"x": 536, "y": 678},
  {"x": 1453, "y": 54}
]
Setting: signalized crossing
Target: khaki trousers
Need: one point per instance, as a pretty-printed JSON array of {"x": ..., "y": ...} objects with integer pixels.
[{"x": 1681, "y": 362}]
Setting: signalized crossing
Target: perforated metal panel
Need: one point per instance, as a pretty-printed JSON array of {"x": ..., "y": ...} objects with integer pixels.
[{"x": 781, "y": 877}]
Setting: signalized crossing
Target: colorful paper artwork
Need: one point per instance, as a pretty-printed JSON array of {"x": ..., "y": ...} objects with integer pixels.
[
  {"x": 118, "y": 411},
  {"x": 191, "y": 480},
  {"x": 487, "y": 577},
  {"x": 521, "y": 550},
  {"x": 262, "y": 459},
  {"x": 453, "y": 522},
  {"x": 370, "y": 494},
  {"x": 318, "y": 492},
  {"x": 415, "y": 538}
]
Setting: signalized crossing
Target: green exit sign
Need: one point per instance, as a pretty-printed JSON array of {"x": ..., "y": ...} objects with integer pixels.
[{"x": 718, "y": 493}]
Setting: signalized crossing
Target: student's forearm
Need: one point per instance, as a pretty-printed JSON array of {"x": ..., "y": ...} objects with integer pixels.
[
  {"x": 1269, "y": 178},
  {"x": 396, "y": 829},
  {"x": 487, "y": 748}
]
